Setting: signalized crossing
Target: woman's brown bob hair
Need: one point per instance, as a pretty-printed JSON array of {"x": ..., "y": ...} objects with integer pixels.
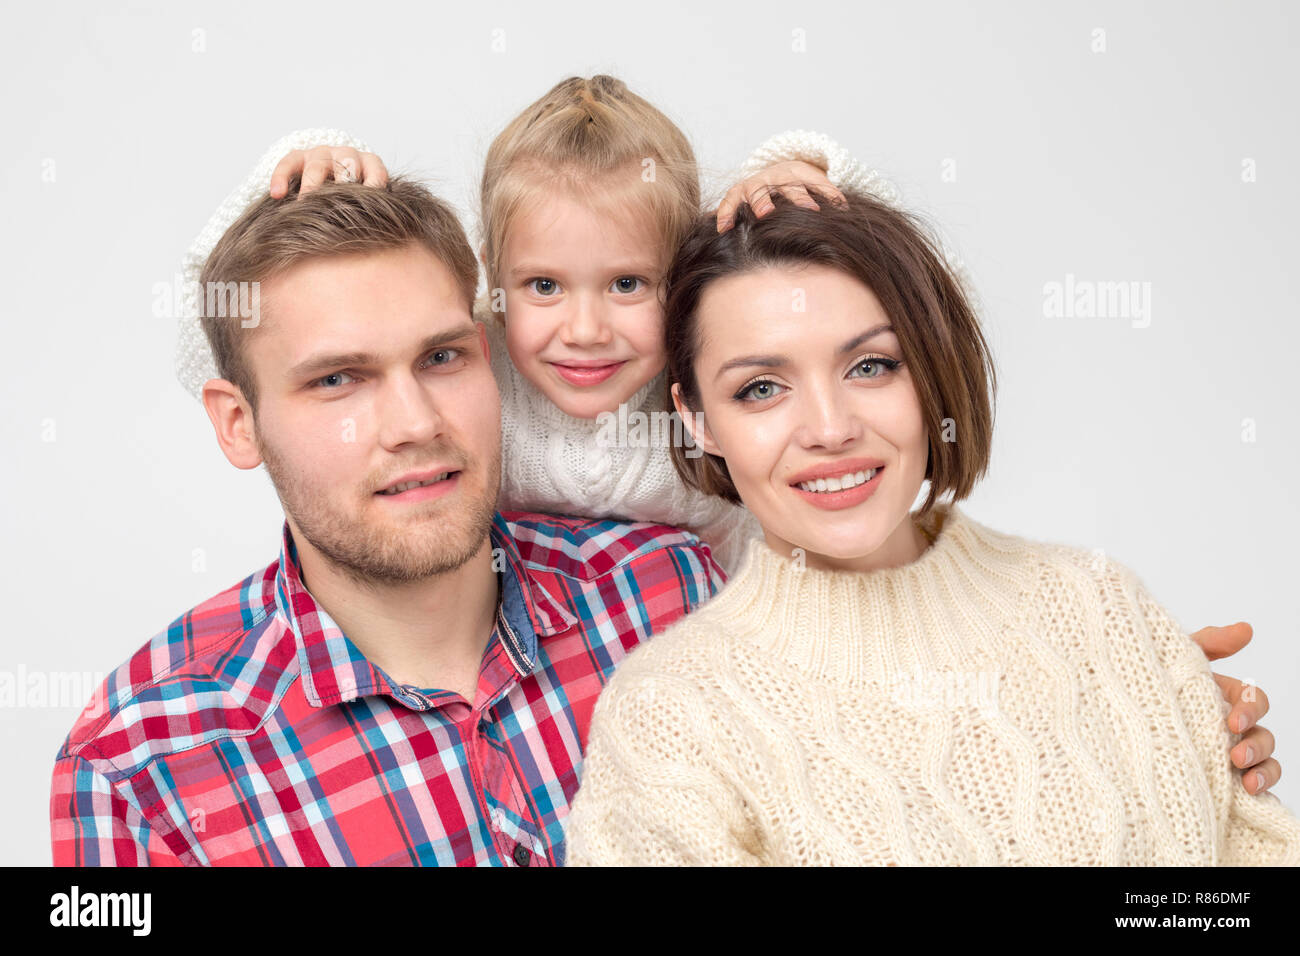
[{"x": 894, "y": 255}]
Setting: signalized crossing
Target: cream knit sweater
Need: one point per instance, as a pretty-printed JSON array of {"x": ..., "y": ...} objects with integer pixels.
[
  {"x": 551, "y": 461},
  {"x": 997, "y": 701}
]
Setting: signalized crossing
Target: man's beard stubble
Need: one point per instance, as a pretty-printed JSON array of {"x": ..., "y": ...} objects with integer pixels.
[{"x": 375, "y": 554}]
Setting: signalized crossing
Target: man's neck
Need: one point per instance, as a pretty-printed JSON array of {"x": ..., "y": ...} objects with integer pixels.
[{"x": 426, "y": 634}]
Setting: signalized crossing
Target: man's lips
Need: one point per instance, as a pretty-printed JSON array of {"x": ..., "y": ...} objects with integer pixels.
[
  {"x": 586, "y": 372},
  {"x": 428, "y": 483}
]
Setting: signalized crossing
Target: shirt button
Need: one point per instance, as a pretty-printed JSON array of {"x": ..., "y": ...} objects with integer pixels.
[{"x": 521, "y": 855}]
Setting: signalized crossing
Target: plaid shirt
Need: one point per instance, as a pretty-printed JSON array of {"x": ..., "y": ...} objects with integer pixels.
[{"x": 252, "y": 731}]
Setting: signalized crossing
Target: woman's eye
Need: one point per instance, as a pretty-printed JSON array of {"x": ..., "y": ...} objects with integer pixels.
[
  {"x": 332, "y": 380},
  {"x": 443, "y": 356},
  {"x": 544, "y": 287},
  {"x": 757, "y": 391},
  {"x": 884, "y": 365},
  {"x": 626, "y": 285}
]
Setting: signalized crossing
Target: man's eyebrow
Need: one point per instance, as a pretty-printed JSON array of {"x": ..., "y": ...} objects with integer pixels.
[
  {"x": 320, "y": 364},
  {"x": 776, "y": 361}
]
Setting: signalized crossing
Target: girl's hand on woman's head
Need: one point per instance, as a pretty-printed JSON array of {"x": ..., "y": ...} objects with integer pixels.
[
  {"x": 794, "y": 179},
  {"x": 1253, "y": 753},
  {"x": 320, "y": 163}
]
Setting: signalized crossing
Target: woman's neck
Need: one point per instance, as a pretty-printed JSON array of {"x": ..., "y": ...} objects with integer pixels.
[{"x": 905, "y": 544}]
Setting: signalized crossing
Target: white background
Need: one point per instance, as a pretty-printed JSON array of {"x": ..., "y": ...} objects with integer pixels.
[{"x": 1122, "y": 165}]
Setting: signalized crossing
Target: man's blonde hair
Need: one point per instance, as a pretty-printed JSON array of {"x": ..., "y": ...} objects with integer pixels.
[
  {"x": 603, "y": 144},
  {"x": 333, "y": 219}
]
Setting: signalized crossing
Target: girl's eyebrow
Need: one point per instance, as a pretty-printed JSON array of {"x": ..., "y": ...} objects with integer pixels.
[
  {"x": 777, "y": 361},
  {"x": 627, "y": 266}
]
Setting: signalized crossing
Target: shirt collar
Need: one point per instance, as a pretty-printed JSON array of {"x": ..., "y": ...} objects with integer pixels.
[{"x": 335, "y": 671}]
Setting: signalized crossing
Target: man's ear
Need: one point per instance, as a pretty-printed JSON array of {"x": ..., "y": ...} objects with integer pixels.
[
  {"x": 232, "y": 420},
  {"x": 483, "y": 341},
  {"x": 695, "y": 424}
]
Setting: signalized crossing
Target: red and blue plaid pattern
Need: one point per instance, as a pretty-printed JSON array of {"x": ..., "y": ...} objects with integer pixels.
[{"x": 252, "y": 731}]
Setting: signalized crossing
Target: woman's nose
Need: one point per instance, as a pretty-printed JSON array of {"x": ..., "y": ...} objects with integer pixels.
[{"x": 828, "y": 419}]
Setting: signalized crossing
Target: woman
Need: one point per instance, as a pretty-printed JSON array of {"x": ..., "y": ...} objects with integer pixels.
[{"x": 875, "y": 686}]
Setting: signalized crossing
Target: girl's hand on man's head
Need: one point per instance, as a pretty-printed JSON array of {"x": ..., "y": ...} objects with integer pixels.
[{"x": 315, "y": 165}]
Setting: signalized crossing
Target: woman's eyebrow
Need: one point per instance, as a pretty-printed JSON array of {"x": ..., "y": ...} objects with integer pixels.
[{"x": 776, "y": 361}]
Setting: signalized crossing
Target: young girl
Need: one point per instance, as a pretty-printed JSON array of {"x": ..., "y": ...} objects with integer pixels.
[
  {"x": 875, "y": 686},
  {"x": 584, "y": 197}
]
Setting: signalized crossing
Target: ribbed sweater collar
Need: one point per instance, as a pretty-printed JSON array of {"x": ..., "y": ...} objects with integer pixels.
[{"x": 947, "y": 610}]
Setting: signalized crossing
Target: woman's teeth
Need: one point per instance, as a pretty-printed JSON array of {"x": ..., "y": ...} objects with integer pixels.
[
  {"x": 840, "y": 483},
  {"x": 408, "y": 485}
]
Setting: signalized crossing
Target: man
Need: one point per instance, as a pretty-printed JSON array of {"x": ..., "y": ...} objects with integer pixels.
[{"x": 412, "y": 679}]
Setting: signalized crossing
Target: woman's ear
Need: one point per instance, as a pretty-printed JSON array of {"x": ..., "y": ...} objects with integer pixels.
[
  {"x": 482, "y": 253},
  {"x": 696, "y": 427}
]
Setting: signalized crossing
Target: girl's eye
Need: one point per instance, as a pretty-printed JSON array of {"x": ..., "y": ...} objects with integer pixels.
[
  {"x": 885, "y": 365},
  {"x": 544, "y": 287},
  {"x": 757, "y": 391},
  {"x": 332, "y": 380},
  {"x": 627, "y": 285},
  {"x": 443, "y": 356}
]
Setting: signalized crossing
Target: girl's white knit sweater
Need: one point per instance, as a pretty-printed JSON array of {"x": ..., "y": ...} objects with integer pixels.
[
  {"x": 551, "y": 461},
  {"x": 997, "y": 701}
]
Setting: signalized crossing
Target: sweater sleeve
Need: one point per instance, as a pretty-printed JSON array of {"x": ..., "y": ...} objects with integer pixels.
[
  {"x": 650, "y": 793},
  {"x": 194, "y": 363},
  {"x": 1255, "y": 829}
]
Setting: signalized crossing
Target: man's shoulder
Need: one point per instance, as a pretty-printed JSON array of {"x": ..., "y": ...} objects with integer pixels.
[
  {"x": 589, "y": 549},
  {"x": 216, "y": 670}
]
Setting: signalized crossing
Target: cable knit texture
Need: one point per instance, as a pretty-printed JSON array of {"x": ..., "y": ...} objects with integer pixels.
[{"x": 999, "y": 701}]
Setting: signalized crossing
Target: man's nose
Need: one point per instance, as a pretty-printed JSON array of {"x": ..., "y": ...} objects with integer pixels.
[{"x": 407, "y": 412}]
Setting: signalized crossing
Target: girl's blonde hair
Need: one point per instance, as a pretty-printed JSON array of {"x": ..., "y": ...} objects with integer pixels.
[{"x": 606, "y": 146}]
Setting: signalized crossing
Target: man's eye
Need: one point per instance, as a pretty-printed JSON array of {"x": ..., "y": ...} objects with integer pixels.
[
  {"x": 332, "y": 380},
  {"x": 544, "y": 287},
  {"x": 626, "y": 285},
  {"x": 443, "y": 356}
]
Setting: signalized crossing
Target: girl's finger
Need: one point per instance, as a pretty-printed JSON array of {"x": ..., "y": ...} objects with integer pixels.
[
  {"x": 727, "y": 208},
  {"x": 759, "y": 198},
  {"x": 373, "y": 170},
  {"x": 315, "y": 171},
  {"x": 798, "y": 194},
  {"x": 288, "y": 167},
  {"x": 829, "y": 192}
]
